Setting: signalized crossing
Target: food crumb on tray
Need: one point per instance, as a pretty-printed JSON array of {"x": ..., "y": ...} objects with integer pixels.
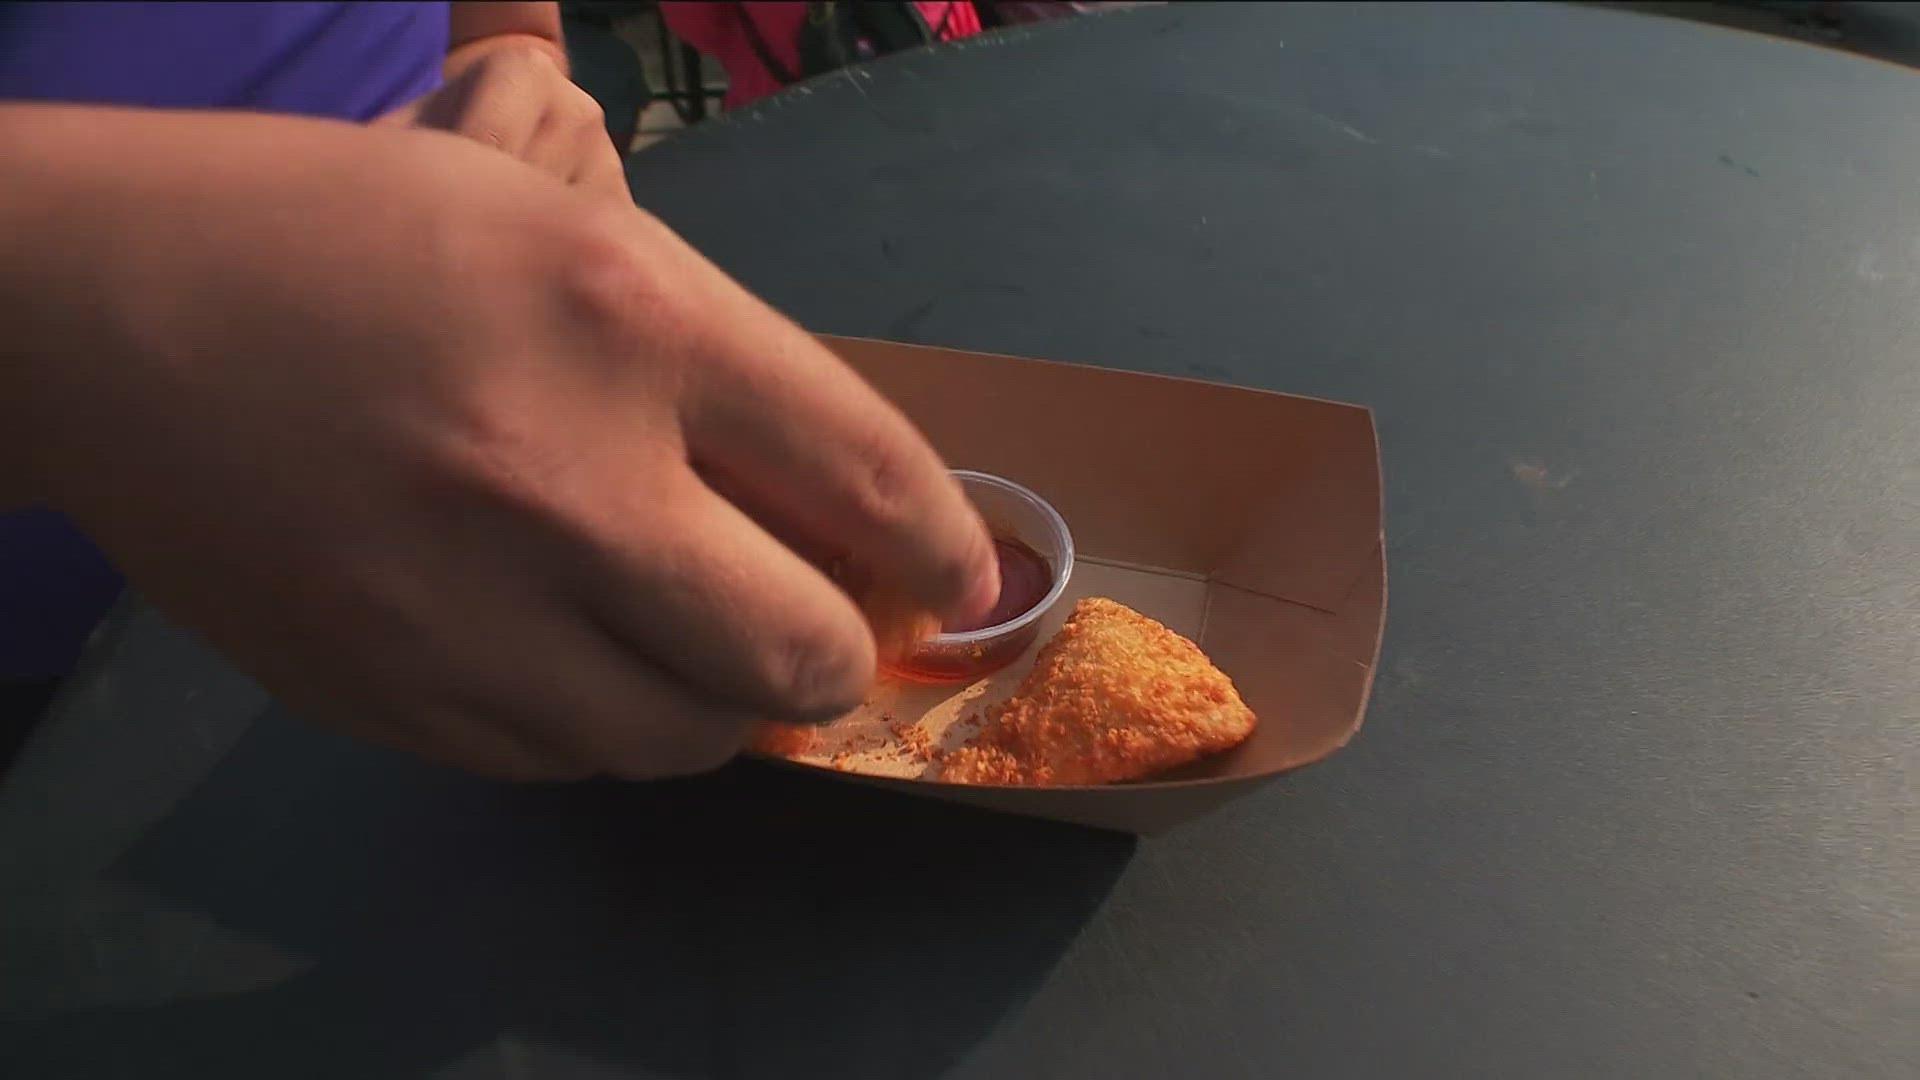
[{"x": 1113, "y": 696}]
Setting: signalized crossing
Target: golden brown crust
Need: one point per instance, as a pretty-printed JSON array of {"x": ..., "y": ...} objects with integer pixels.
[{"x": 1114, "y": 696}]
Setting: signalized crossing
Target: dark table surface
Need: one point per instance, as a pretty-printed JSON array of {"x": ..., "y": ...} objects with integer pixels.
[{"x": 1638, "y": 305}]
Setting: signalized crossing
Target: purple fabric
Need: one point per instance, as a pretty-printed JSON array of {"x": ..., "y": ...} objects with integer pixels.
[
  {"x": 324, "y": 59},
  {"x": 348, "y": 60}
]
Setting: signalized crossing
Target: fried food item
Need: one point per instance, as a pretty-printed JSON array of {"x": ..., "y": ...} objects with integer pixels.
[
  {"x": 899, "y": 626},
  {"x": 1114, "y": 696}
]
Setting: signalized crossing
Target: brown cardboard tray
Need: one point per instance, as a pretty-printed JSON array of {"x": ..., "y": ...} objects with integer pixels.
[{"x": 1246, "y": 520}]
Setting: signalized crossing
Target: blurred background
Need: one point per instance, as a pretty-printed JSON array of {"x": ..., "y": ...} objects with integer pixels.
[{"x": 657, "y": 67}]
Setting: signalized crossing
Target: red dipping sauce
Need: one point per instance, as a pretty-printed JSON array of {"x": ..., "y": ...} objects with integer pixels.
[{"x": 1025, "y": 579}]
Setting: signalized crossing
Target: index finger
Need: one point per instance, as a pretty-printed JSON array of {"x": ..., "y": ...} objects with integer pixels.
[{"x": 830, "y": 466}]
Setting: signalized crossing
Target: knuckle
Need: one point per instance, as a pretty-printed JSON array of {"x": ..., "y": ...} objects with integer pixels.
[
  {"x": 520, "y": 63},
  {"x": 817, "y": 677},
  {"x": 881, "y": 492},
  {"x": 603, "y": 284},
  {"x": 945, "y": 559},
  {"x": 500, "y": 470},
  {"x": 581, "y": 106}
]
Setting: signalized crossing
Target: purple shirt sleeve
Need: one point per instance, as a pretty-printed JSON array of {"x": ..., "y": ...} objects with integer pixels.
[
  {"x": 349, "y": 60},
  {"x": 353, "y": 61}
]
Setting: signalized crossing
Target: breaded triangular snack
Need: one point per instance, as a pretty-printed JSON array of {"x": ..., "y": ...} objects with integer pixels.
[{"x": 1114, "y": 696}]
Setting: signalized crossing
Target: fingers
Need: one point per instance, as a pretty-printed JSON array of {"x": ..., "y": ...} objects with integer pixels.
[
  {"x": 587, "y": 704},
  {"x": 720, "y": 604},
  {"x": 465, "y": 740},
  {"x": 832, "y": 467},
  {"x": 573, "y": 703},
  {"x": 520, "y": 102},
  {"x": 571, "y": 138},
  {"x": 600, "y": 169},
  {"x": 496, "y": 103},
  {"x": 647, "y": 725},
  {"x": 459, "y": 741}
]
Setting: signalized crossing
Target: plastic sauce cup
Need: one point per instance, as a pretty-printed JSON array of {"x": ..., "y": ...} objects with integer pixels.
[{"x": 1024, "y": 528}]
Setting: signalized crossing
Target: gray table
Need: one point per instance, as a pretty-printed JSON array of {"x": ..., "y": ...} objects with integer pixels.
[{"x": 1636, "y": 302}]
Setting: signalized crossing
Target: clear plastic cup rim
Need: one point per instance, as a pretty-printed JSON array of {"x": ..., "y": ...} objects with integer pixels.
[{"x": 1062, "y": 574}]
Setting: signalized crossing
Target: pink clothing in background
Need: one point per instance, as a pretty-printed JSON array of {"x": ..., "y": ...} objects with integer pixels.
[{"x": 717, "y": 31}]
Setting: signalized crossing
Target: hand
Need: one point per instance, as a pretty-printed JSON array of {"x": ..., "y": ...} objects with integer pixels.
[
  {"x": 424, "y": 442},
  {"x": 511, "y": 93}
]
